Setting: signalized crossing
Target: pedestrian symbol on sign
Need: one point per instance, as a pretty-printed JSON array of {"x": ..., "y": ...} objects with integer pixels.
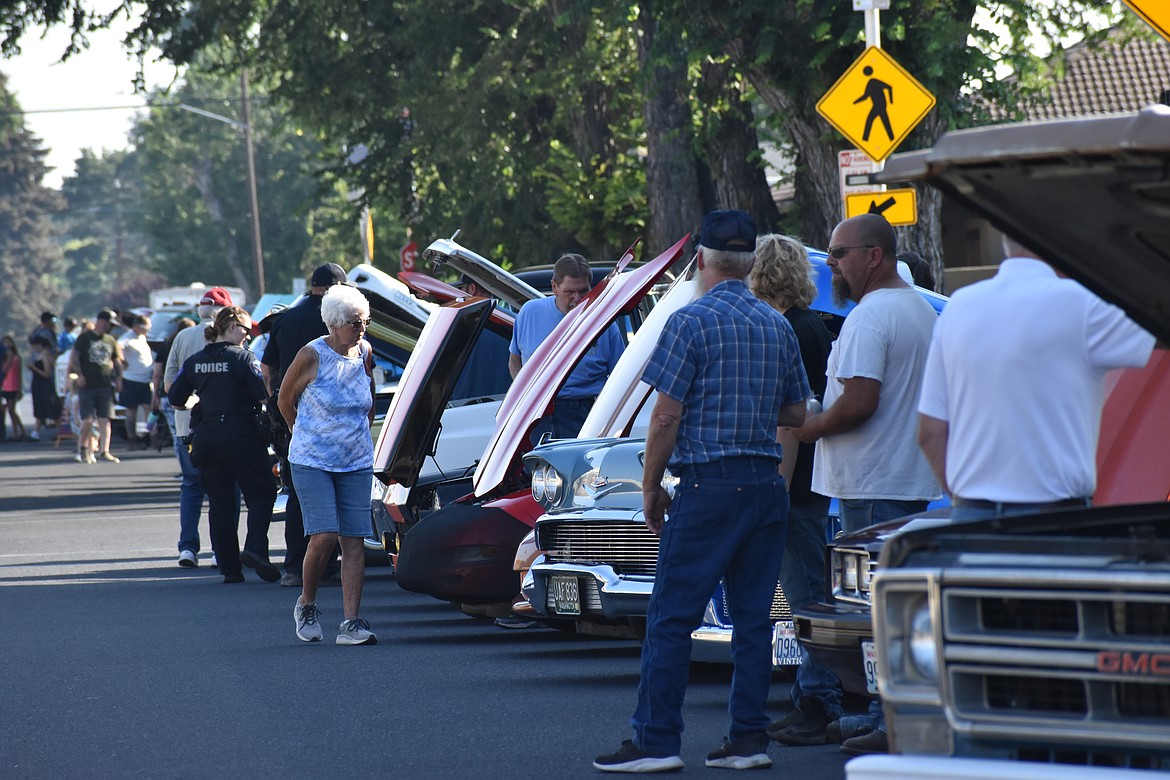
[{"x": 876, "y": 90}]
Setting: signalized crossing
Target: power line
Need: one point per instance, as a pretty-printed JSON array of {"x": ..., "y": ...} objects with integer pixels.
[{"x": 156, "y": 104}]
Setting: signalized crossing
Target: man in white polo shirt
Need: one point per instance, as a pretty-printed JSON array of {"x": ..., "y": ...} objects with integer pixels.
[{"x": 1014, "y": 386}]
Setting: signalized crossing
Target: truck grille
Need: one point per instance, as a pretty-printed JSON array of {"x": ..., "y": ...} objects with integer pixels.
[
  {"x": 1092, "y": 666},
  {"x": 629, "y": 548}
]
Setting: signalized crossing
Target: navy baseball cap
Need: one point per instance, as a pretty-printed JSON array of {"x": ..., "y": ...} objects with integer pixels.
[{"x": 733, "y": 231}]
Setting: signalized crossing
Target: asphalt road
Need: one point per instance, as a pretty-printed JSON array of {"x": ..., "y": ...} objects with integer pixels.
[{"x": 117, "y": 663}]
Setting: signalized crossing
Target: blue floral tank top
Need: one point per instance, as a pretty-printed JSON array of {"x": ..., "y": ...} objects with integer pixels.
[{"x": 332, "y": 431}]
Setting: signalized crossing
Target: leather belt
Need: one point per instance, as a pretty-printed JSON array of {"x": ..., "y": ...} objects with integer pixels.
[{"x": 999, "y": 506}]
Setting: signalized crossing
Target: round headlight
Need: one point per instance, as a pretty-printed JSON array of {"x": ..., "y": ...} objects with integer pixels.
[
  {"x": 922, "y": 644},
  {"x": 538, "y": 483},
  {"x": 552, "y": 484}
]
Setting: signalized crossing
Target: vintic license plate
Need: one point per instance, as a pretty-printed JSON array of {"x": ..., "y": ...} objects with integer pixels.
[
  {"x": 566, "y": 595},
  {"x": 785, "y": 647}
]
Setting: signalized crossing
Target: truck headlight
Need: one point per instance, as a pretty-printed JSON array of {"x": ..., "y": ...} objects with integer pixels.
[
  {"x": 905, "y": 623},
  {"x": 923, "y": 649}
]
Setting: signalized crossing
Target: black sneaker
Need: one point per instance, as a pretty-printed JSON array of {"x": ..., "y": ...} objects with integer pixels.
[
  {"x": 263, "y": 566},
  {"x": 629, "y": 758},
  {"x": 806, "y": 729},
  {"x": 748, "y": 754},
  {"x": 230, "y": 578}
]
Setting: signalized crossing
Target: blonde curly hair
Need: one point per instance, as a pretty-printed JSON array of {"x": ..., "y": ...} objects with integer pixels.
[{"x": 782, "y": 274}]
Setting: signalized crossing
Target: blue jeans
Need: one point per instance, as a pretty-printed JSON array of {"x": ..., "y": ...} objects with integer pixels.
[
  {"x": 190, "y": 489},
  {"x": 858, "y": 513},
  {"x": 729, "y": 520},
  {"x": 803, "y": 578}
]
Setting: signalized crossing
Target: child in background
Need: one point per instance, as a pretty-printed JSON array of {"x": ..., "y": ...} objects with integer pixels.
[{"x": 10, "y": 388}]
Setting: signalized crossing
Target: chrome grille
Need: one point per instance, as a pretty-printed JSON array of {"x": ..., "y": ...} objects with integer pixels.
[
  {"x": 629, "y": 548},
  {"x": 1092, "y": 664}
]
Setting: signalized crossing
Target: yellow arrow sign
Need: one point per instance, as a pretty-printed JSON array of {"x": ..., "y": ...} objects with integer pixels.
[
  {"x": 1155, "y": 12},
  {"x": 899, "y": 207},
  {"x": 876, "y": 103}
]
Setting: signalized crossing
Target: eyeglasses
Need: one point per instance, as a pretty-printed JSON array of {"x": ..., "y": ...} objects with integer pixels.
[
  {"x": 838, "y": 252},
  {"x": 361, "y": 323}
]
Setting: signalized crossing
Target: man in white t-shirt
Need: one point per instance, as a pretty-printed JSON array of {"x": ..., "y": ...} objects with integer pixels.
[
  {"x": 136, "y": 394},
  {"x": 1014, "y": 387},
  {"x": 867, "y": 456}
]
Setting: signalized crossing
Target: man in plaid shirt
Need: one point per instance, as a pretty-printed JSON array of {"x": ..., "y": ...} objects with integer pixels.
[{"x": 728, "y": 372}]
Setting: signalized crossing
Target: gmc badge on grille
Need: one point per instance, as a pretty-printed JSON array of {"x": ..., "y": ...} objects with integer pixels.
[{"x": 1144, "y": 664}]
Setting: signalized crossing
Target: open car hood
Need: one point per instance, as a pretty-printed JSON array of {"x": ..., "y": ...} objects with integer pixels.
[
  {"x": 1091, "y": 195},
  {"x": 412, "y": 422},
  {"x": 486, "y": 274},
  {"x": 432, "y": 289},
  {"x": 538, "y": 381}
]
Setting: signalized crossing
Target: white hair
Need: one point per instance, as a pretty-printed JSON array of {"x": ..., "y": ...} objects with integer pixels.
[{"x": 341, "y": 304}]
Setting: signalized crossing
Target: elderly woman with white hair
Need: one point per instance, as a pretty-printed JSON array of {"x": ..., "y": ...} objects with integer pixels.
[{"x": 327, "y": 399}]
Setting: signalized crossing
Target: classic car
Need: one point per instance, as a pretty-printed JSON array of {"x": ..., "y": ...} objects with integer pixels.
[
  {"x": 457, "y": 537},
  {"x": 598, "y": 561},
  {"x": 1045, "y": 638}
]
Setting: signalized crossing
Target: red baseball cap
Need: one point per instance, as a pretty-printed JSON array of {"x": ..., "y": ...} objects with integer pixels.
[{"x": 216, "y": 296}]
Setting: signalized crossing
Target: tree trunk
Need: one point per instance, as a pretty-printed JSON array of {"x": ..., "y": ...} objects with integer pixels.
[
  {"x": 206, "y": 186},
  {"x": 733, "y": 149},
  {"x": 672, "y": 179}
]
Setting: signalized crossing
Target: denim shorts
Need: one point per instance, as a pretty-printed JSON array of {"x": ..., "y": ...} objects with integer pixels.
[{"x": 334, "y": 502}]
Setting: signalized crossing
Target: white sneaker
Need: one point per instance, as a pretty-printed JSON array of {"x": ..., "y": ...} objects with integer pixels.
[
  {"x": 355, "y": 632},
  {"x": 187, "y": 559},
  {"x": 306, "y": 617},
  {"x": 34, "y": 435}
]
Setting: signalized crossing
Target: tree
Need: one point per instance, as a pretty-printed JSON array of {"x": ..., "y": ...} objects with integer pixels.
[
  {"x": 793, "y": 51},
  {"x": 110, "y": 259},
  {"x": 195, "y": 204},
  {"x": 30, "y": 259},
  {"x": 491, "y": 87}
]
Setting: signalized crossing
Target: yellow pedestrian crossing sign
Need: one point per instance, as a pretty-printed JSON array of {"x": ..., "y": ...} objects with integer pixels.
[
  {"x": 876, "y": 103},
  {"x": 1155, "y": 12},
  {"x": 899, "y": 207}
]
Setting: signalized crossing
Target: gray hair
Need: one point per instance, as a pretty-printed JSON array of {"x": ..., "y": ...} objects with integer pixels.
[
  {"x": 208, "y": 311},
  {"x": 341, "y": 304},
  {"x": 729, "y": 263},
  {"x": 573, "y": 265}
]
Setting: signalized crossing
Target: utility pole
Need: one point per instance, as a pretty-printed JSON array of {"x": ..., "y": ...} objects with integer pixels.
[{"x": 257, "y": 249}]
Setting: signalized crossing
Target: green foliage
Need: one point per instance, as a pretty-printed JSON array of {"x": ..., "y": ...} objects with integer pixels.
[{"x": 30, "y": 259}]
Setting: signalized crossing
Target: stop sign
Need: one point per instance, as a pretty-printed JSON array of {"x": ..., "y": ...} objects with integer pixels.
[{"x": 407, "y": 255}]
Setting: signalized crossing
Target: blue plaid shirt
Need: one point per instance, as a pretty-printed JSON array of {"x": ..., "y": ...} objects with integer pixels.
[{"x": 732, "y": 361}]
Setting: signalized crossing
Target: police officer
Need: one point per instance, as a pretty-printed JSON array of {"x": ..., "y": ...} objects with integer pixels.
[{"x": 227, "y": 445}]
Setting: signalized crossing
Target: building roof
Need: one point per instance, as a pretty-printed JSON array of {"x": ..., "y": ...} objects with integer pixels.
[{"x": 1124, "y": 73}]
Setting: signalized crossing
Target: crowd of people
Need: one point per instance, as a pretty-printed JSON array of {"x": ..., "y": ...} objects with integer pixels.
[{"x": 762, "y": 415}]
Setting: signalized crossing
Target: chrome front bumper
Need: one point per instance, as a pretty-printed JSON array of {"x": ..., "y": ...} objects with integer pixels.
[{"x": 605, "y": 594}]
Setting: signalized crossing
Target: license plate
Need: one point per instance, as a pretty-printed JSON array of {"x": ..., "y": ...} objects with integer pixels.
[
  {"x": 867, "y": 652},
  {"x": 785, "y": 647},
  {"x": 566, "y": 595}
]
